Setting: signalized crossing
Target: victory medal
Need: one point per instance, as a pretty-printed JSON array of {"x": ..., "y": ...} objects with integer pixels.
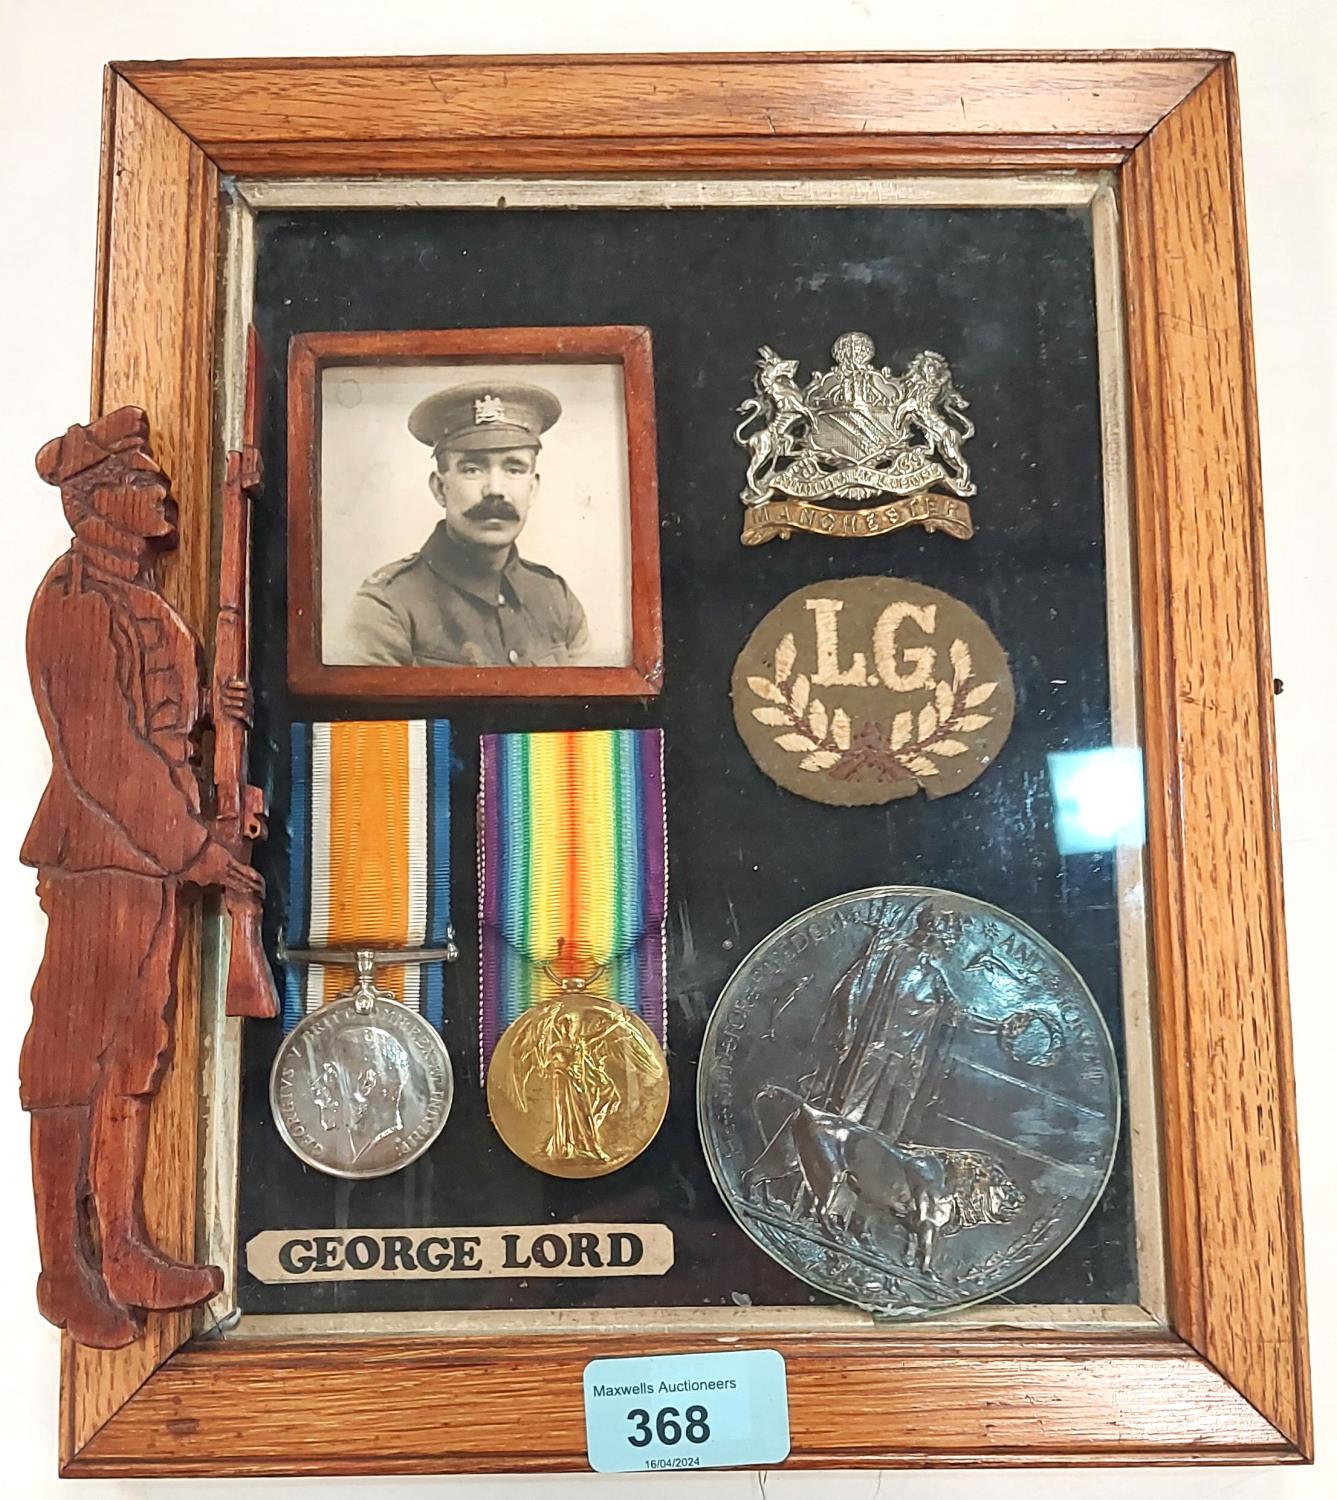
[
  {"x": 578, "y": 1085},
  {"x": 571, "y": 939}
]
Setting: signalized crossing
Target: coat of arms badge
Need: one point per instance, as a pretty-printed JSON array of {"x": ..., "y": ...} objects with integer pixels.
[{"x": 856, "y": 431}]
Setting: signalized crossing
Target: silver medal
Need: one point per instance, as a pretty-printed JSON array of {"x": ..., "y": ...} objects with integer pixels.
[
  {"x": 909, "y": 1099},
  {"x": 362, "y": 1086}
]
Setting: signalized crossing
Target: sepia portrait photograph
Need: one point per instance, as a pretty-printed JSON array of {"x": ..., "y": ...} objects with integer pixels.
[{"x": 472, "y": 508}]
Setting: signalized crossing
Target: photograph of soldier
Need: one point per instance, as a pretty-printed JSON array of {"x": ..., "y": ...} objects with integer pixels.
[{"x": 513, "y": 571}]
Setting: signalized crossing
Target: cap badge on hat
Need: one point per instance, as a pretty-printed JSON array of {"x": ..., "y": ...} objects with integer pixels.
[{"x": 485, "y": 414}]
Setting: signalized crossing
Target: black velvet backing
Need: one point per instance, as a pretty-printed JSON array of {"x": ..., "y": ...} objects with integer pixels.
[{"x": 1007, "y": 296}]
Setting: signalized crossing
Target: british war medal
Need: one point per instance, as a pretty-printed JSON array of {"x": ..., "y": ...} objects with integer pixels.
[{"x": 362, "y": 1084}]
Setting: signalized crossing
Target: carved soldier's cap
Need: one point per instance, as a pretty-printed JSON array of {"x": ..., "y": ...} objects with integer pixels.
[
  {"x": 484, "y": 416},
  {"x": 122, "y": 433}
]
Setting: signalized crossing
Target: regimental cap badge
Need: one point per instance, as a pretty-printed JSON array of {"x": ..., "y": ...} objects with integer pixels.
[
  {"x": 856, "y": 431},
  {"x": 489, "y": 408}
]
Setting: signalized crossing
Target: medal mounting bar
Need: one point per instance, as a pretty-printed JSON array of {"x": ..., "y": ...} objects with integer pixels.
[
  {"x": 1037, "y": 598},
  {"x": 355, "y": 957}
]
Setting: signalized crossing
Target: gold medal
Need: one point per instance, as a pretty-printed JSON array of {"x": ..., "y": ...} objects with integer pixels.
[{"x": 577, "y": 1085}]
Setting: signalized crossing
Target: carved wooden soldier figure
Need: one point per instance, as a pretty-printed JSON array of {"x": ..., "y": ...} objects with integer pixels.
[{"x": 118, "y": 835}]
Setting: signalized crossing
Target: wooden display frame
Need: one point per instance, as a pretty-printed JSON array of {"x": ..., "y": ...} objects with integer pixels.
[{"x": 1227, "y": 1381}]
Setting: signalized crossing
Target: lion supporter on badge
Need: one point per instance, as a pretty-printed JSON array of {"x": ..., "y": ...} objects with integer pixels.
[{"x": 468, "y": 598}]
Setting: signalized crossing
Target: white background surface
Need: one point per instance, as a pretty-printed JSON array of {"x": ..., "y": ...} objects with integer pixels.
[
  {"x": 376, "y": 505},
  {"x": 49, "y": 124}
]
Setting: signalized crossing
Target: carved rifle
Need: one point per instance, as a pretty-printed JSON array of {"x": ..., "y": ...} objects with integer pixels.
[{"x": 240, "y": 811}]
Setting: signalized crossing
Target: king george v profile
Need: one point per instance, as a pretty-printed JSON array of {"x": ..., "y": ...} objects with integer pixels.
[
  {"x": 467, "y": 597},
  {"x": 359, "y": 1089}
]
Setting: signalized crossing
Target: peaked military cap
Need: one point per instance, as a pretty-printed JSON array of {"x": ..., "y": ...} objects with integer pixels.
[{"x": 485, "y": 415}]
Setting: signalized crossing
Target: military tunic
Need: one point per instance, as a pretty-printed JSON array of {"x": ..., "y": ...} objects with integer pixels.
[
  {"x": 118, "y": 824},
  {"x": 430, "y": 610}
]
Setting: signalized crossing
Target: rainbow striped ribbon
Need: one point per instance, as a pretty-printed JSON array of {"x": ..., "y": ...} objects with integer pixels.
[
  {"x": 573, "y": 871},
  {"x": 369, "y": 862}
]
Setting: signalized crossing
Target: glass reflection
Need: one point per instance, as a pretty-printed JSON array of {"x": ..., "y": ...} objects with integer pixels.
[{"x": 1099, "y": 798}]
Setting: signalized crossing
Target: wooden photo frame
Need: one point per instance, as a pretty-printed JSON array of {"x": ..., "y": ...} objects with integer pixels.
[
  {"x": 1221, "y": 1374},
  {"x": 425, "y": 606}
]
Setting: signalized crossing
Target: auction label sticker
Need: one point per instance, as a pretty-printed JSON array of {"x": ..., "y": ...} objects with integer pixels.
[{"x": 687, "y": 1411}]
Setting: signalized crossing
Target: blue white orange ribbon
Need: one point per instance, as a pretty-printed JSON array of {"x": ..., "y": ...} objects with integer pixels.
[
  {"x": 573, "y": 872},
  {"x": 369, "y": 865}
]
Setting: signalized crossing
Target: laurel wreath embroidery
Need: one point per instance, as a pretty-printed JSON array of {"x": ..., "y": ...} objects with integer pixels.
[{"x": 827, "y": 741}]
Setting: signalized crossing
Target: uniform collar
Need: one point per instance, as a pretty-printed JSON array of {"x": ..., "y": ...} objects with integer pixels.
[
  {"x": 451, "y": 563},
  {"x": 132, "y": 567}
]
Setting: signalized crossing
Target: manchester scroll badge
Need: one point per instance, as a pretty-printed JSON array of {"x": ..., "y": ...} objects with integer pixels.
[
  {"x": 856, "y": 432},
  {"x": 862, "y": 690}
]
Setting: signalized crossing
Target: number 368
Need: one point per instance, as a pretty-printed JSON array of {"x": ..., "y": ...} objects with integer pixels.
[{"x": 694, "y": 1426}]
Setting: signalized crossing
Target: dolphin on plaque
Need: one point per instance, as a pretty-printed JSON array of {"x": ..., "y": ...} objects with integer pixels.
[{"x": 855, "y": 432}]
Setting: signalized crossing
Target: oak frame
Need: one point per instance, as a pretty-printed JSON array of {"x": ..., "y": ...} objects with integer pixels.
[
  {"x": 1228, "y": 1380},
  {"x": 310, "y": 353}
]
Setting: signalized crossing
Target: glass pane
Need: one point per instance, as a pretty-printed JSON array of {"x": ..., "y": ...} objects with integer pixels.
[{"x": 1051, "y": 833}]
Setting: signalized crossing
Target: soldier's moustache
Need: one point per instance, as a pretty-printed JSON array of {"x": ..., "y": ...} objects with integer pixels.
[{"x": 490, "y": 510}]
